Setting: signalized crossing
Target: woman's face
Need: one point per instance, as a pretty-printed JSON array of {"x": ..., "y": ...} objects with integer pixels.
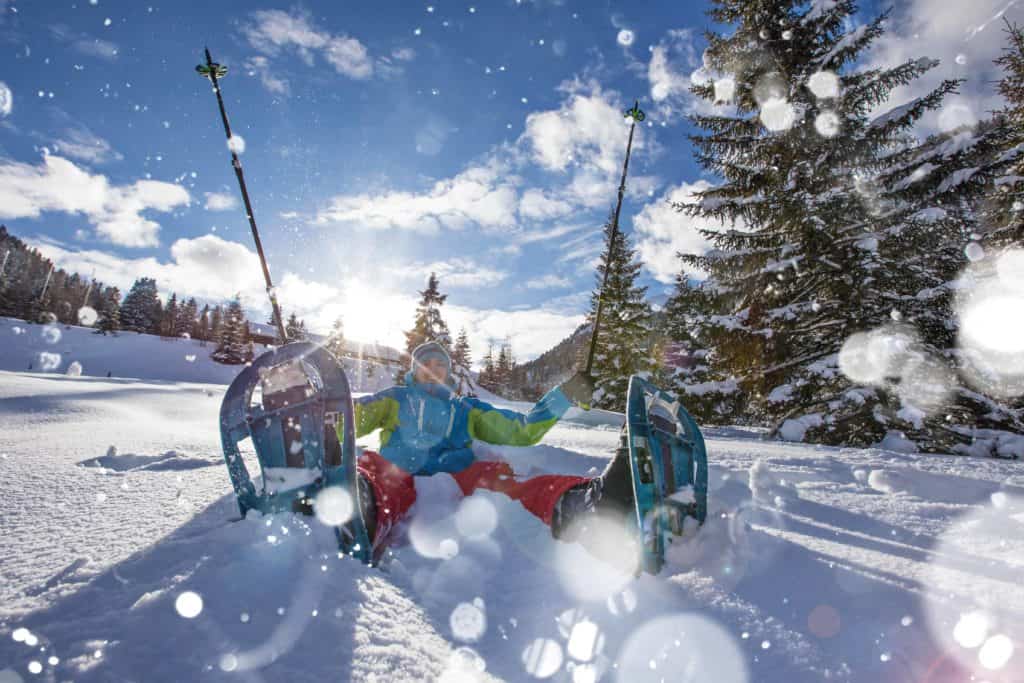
[{"x": 431, "y": 370}]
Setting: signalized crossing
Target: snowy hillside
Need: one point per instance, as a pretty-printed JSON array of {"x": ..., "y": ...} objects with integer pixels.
[
  {"x": 816, "y": 564},
  {"x": 53, "y": 348}
]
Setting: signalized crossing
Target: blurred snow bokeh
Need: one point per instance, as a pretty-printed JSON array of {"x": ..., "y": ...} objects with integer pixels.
[{"x": 990, "y": 298}]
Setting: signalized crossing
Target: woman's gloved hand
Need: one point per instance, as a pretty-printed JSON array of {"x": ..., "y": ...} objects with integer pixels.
[{"x": 579, "y": 389}]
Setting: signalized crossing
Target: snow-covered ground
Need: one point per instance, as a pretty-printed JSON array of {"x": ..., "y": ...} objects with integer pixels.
[
  {"x": 55, "y": 348},
  {"x": 816, "y": 564}
]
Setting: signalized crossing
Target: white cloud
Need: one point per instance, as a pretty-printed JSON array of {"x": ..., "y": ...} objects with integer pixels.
[
  {"x": 208, "y": 268},
  {"x": 431, "y": 137},
  {"x": 456, "y": 272},
  {"x": 580, "y": 143},
  {"x": 584, "y": 250},
  {"x": 532, "y": 331},
  {"x": 274, "y": 30},
  {"x": 213, "y": 269},
  {"x": 81, "y": 143},
  {"x": 661, "y": 231},
  {"x": 672, "y": 60},
  {"x": 220, "y": 201},
  {"x": 85, "y": 43},
  {"x": 403, "y": 54},
  {"x": 549, "y": 281},
  {"x": 259, "y": 66},
  {"x": 587, "y": 130},
  {"x": 476, "y": 196},
  {"x": 676, "y": 65},
  {"x": 114, "y": 211},
  {"x": 539, "y": 205},
  {"x": 549, "y": 234},
  {"x": 97, "y": 47},
  {"x": 946, "y": 30},
  {"x": 349, "y": 57}
]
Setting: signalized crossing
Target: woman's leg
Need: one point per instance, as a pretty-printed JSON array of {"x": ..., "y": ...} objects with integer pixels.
[
  {"x": 393, "y": 492},
  {"x": 538, "y": 494}
]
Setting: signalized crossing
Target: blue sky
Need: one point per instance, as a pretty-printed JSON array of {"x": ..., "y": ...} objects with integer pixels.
[{"x": 382, "y": 141}]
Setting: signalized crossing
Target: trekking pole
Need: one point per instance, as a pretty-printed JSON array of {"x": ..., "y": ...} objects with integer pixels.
[
  {"x": 636, "y": 115},
  {"x": 214, "y": 71}
]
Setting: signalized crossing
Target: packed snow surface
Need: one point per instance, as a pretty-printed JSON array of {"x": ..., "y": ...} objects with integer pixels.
[{"x": 815, "y": 564}]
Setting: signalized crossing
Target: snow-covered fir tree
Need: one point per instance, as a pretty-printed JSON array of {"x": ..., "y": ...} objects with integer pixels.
[
  {"x": 502, "y": 371},
  {"x": 216, "y": 322},
  {"x": 335, "y": 342},
  {"x": 710, "y": 395},
  {"x": 1002, "y": 215},
  {"x": 109, "y": 320},
  {"x": 295, "y": 329},
  {"x": 461, "y": 364},
  {"x": 623, "y": 346},
  {"x": 233, "y": 347},
  {"x": 141, "y": 310},
  {"x": 429, "y": 325},
  {"x": 486, "y": 378},
  {"x": 201, "y": 329},
  {"x": 804, "y": 259},
  {"x": 460, "y": 352},
  {"x": 937, "y": 189},
  {"x": 170, "y": 317},
  {"x": 185, "y": 321}
]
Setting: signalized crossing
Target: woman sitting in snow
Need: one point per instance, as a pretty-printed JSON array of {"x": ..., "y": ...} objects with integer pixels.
[{"x": 427, "y": 430}]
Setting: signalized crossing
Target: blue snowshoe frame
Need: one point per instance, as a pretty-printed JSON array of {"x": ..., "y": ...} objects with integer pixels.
[
  {"x": 667, "y": 453},
  {"x": 313, "y": 419}
]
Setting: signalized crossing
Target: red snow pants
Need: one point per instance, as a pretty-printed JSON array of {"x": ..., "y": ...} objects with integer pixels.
[{"x": 395, "y": 491}]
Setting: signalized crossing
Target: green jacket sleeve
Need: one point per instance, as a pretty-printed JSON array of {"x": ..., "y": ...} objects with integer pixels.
[
  {"x": 377, "y": 411},
  {"x": 509, "y": 428}
]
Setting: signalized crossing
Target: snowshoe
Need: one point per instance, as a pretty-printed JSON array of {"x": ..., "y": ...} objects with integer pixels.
[
  {"x": 669, "y": 469},
  {"x": 289, "y": 402}
]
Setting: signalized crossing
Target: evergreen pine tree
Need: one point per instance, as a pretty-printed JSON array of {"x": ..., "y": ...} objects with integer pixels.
[
  {"x": 814, "y": 263},
  {"x": 692, "y": 371},
  {"x": 216, "y": 322},
  {"x": 294, "y": 329},
  {"x": 201, "y": 330},
  {"x": 170, "y": 317},
  {"x": 1003, "y": 215},
  {"x": 140, "y": 310},
  {"x": 461, "y": 363},
  {"x": 336, "y": 339},
  {"x": 501, "y": 373},
  {"x": 233, "y": 345},
  {"x": 429, "y": 325},
  {"x": 623, "y": 345},
  {"x": 486, "y": 378},
  {"x": 460, "y": 354},
  {"x": 110, "y": 311},
  {"x": 185, "y": 321}
]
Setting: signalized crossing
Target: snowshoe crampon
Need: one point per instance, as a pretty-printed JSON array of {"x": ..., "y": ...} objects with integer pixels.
[
  {"x": 669, "y": 466},
  {"x": 289, "y": 403}
]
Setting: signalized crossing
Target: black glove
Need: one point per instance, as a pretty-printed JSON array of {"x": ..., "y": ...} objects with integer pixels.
[{"x": 579, "y": 389}]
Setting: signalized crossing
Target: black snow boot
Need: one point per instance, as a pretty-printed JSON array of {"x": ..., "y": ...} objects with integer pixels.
[
  {"x": 607, "y": 498},
  {"x": 367, "y": 504}
]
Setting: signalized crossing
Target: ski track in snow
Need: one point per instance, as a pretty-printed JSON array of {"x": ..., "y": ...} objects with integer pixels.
[{"x": 816, "y": 564}]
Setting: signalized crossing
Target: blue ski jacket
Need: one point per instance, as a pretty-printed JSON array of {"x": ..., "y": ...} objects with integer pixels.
[{"x": 427, "y": 429}]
